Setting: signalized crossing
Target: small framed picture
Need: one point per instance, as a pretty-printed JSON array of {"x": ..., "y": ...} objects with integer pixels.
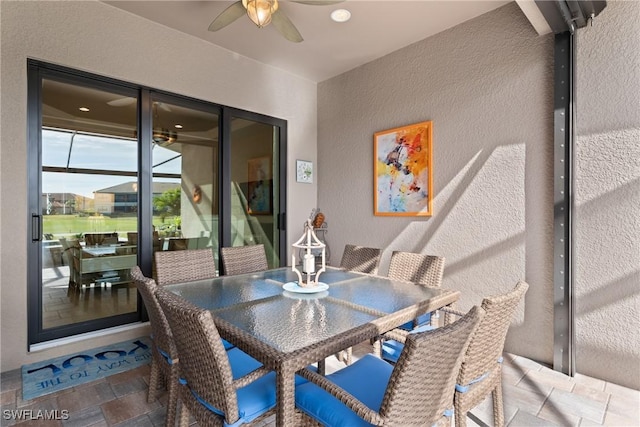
[{"x": 304, "y": 171}]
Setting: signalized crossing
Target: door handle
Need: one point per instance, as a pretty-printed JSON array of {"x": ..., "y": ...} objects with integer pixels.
[
  {"x": 282, "y": 221},
  {"x": 36, "y": 228}
]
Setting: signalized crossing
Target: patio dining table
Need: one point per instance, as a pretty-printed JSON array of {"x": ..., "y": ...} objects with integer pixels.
[{"x": 287, "y": 331}]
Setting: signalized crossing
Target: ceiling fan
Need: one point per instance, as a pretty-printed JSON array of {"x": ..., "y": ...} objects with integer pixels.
[
  {"x": 264, "y": 12},
  {"x": 127, "y": 100}
]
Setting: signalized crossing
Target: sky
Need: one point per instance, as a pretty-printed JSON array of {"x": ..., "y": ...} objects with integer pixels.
[{"x": 94, "y": 152}]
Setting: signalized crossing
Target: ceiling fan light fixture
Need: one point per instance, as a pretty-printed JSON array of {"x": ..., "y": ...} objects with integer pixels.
[
  {"x": 260, "y": 11},
  {"x": 164, "y": 137}
]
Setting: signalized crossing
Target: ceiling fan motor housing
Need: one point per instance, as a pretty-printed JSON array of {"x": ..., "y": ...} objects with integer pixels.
[{"x": 260, "y": 11}]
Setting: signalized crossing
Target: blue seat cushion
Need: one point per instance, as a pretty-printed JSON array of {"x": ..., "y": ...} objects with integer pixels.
[
  {"x": 254, "y": 399},
  {"x": 391, "y": 349},
  {"x": 227, "y": 345},
  {"x": 366, "y": 380},
  {"x": 425, "y": 318}
]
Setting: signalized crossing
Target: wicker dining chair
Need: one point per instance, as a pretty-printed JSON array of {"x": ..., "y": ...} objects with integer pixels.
[
  {"x": 361, "y": 259},
  {"x": 164, "y": 356},
  {"x": 183, "y": 266},
  {"x": 481, "y": 370},
  {"x": 425, "y": 270},
  {"x": 100, "y": 238},
  {"x": 417, "y": 391},
  {"x": 215, "y": 385},
  {"x": 68, "y": 248},
  {"x": 244, "y": 259}
]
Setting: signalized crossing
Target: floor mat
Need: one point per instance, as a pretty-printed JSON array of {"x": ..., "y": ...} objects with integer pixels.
[{"x": 69, "y": 371}]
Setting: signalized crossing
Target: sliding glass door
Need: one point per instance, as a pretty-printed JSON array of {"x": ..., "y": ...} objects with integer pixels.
[
  {"x": 255, "y": 183},
  {"x": 118, "y": 172},
  {"x": 185, "y": 193},
  {"x": 88, "y": 207}
]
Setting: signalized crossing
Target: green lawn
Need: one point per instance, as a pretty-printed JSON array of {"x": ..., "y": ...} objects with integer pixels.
[{"x": 71, "y": 225}]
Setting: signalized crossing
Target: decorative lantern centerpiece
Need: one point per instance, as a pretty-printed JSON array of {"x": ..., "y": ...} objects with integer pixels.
[{"x": 309, "y": 246}]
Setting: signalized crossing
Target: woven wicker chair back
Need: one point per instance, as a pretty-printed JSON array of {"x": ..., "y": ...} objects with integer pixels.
[
  {"x": 361, "y": 259},
  {"x": 487, "y": 343},
  {"x": 100, "y": 238},
  {"x": 68, "y": 248},
  {"x": 422, "y": 269},
  {"x": 183, "y": 266},
  {"x": 422, "y": 384},
  {"x": 203, "y": 360},
  {"x": 244, "y": 259},
  {"x": 161, "y": 368},
  {"x": 160, "y": 330}
]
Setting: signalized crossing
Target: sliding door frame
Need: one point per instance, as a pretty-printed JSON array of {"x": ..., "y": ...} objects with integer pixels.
[
  {"x": 37, "y": 71},
  {"x": 228, "y": 113}
]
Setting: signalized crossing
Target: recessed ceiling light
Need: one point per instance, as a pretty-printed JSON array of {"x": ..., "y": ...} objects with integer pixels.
[
  {"x": 341, "y": 15},
  {"x": 85, "y": 109},
  {"x": 178, "y": 126}
]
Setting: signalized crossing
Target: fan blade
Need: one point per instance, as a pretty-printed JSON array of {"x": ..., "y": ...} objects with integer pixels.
[
  {"x": 317, "y": 2},
  {"x": 163, "y": 106},
  {"x": 230, "y": 14},
  {"x": 285, "y": 27},
  {"x": 121, "y": 102}
]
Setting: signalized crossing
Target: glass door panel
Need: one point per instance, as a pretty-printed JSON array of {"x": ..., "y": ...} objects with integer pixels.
[
  {"x": 185, "y": 177},
  {"x": 116, "y": 172},
  {"x": 89, "y": 203},
  {"x": 255, "y": 187}
]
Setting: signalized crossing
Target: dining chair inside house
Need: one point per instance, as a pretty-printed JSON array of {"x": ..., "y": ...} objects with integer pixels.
[
  {"x": 92, "y": 239},
  {"x": 164, "y": 355},
  {"x": 215, "y": 385},
  {"x": 243, "y": 259},
  {"x": 157, "y": 242},
  {"x": 67, "y": 249},
  {"x": 178, "y": 244},
  {"x": 416, "y": 391},
  {"x": 132, "y": 241},
  {"x": 481, "y": 370},
  {"x": 132, "y": 238},
  {"x": 77, "y": 278},
  {"x": 183, "y": 266},
  {"x": 363, "y": 260}
]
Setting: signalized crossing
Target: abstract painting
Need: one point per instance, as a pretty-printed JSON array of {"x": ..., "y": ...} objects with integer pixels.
[
  {"x": 259, "y": 186},
  {"x": 403, "y": 172}
]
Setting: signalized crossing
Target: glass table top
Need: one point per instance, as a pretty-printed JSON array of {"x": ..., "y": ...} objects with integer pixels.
[{"x": 257, "y": 304}]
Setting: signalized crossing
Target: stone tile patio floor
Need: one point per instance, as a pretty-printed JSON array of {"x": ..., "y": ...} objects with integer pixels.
[{"x": 534, "y": 395}]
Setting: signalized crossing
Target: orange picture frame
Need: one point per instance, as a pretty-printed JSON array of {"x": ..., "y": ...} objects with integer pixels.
[{"x": 403, "y": 171}]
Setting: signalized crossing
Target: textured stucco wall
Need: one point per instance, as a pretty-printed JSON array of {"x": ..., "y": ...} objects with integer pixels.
[
  {"x": 607, "y": 196},
  {"x": 95, "y": 37},
  {"x": 487, "y": 84}
]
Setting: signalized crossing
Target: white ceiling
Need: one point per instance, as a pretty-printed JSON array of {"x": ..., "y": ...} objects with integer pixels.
[{"x": 376, "y": 28}]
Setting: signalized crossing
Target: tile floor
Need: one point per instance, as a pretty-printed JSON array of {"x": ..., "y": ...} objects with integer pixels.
[
  {"x": 63, "y": 307},
  {"x": 534, "y": 395}
]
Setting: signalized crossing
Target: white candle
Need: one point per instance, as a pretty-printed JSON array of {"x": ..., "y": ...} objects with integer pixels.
[{"x": 308, "y": 263}]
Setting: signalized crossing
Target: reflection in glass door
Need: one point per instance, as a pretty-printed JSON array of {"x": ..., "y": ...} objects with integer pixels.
[
  {"x": 88, "y": 204},
  {"x": 255, "y": 186},
  {"x": 185, "y": 177},
  {"x": 116, "y": 172}
]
